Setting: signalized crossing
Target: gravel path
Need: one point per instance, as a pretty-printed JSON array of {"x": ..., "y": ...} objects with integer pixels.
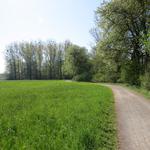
[{"x": 133, "y": 117}]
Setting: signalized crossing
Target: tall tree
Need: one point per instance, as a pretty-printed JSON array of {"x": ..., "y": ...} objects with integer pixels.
[
  {"x": 77, "y": 63},
  {"x": 123, "y": 24}
]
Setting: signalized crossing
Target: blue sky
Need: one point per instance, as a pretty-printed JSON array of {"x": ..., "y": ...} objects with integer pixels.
[{"x": 46, "y": 19}]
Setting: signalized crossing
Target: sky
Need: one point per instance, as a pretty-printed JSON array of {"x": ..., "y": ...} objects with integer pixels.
[{"x": 59, "y": 20}]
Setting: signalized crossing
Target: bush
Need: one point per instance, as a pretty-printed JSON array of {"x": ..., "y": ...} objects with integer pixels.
[
  {"x": 105, "y": 77},
  {"x": 82, "y": 77},
  {"x": 145, "y": 81},
  {"x": 130, "y": 74},
  {"x": 98, "y": 77}
]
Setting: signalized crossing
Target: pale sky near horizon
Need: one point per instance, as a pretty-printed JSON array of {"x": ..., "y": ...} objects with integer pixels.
[{"x": 58, "y": 20}]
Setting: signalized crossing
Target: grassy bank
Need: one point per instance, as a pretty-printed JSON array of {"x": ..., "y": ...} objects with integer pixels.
[
  {"x": 139, "y": 90},
  {"x": 56, "y": 115}
]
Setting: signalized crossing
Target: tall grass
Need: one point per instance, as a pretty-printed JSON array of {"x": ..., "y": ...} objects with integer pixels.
[{"x": 56, "y": 115}]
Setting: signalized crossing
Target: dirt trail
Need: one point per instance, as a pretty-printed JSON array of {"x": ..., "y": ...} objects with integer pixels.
[{"x": 133, "y": 117}]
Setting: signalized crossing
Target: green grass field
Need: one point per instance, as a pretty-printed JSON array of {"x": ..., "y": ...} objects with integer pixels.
[{"x": 56, "y": 115}]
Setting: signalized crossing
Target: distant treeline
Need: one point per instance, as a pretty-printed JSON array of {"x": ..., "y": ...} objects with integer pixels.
[{"x": 45, "y": 60}]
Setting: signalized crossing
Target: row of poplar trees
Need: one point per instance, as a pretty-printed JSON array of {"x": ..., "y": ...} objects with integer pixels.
[{"x": 46, "y": 60}]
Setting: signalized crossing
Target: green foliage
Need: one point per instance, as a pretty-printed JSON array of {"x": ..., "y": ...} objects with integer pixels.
[
  {"x": 104, "y": 77},
  {"x": 123, "y": 24},
  {"x": 34, "y": 60},
  {"x": 145, "y": 81},
  {"x": 145, "y": 78},
  {"x": 104, "y": 67},
  {"x": 104, "y": 71},
  {"x": 3, "y": 76},
  {"x": 56, "y": 115},
  {"x": 128, "y": 70},
  {"x": 146, "y": 42},
  {"x": 77, "y": 64},
  {"x": 86, "y": 76}
]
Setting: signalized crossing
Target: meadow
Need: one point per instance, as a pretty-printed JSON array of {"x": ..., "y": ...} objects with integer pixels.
[{"x": 56, "y": 115}]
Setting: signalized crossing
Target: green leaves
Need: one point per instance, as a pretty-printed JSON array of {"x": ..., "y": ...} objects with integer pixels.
[
  {"x": 123, "y": 25},
  {"x": 77, "y": 63}
]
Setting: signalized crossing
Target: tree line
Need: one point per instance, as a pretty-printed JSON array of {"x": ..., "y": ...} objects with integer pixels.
[{"x": 46, "y": 60}]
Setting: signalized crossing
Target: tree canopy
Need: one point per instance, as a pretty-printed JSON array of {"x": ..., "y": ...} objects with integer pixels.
[
  {"x": 46, "y": 60},
  {"x": 121, "y": 50}
]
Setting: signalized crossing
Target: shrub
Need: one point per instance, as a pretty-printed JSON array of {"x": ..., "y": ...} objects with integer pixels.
[
  {"x": 82, "y": 77},
  {"x": 145, "y": 81},
  {"x": 130, "y": 74},
  {"x": 105, "y": 77}
]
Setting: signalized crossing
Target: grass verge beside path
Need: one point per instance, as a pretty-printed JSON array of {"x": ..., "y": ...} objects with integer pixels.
[
  {"x": 139, "y": 90},
  {"x": 56, "y": 115}
]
